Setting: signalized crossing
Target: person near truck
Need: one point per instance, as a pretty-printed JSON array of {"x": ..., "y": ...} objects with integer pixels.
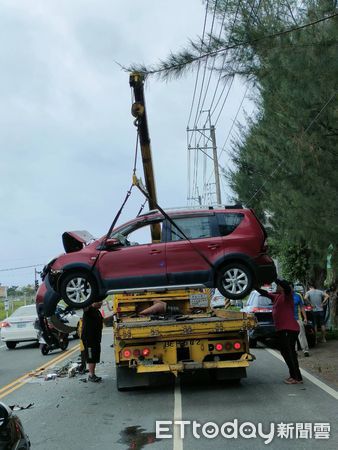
[
  {"x": 92, "y": 324},
  {"x": 317, "y": 298},
  {"x": 299, "y": 314},
  {"x": 287, "y": 328}
]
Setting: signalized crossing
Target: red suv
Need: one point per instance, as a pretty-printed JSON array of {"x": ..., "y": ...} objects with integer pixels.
[{"x": 223, "y": 248}]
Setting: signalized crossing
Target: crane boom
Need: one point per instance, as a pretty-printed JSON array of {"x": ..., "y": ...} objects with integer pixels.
[{"x": 136, "y": 81}]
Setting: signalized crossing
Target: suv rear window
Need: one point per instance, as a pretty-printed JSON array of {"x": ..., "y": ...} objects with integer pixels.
[
  {"x": 193, "y": 227},
  {"x": 228, "y": 222}
]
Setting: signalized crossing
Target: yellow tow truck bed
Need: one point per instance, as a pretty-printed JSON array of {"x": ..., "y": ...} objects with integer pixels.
[{"x": 201, "y": 338}]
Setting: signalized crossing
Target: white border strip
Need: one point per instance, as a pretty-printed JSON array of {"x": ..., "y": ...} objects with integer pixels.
[
  {"x": 329, "y": 390},
  {"x": 177, "y": 441}
]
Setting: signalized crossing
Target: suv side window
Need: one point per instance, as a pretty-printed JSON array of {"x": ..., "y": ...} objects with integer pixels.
[
  {"x": 228, "y": 222},
  {"x": 197, "y": 227}
]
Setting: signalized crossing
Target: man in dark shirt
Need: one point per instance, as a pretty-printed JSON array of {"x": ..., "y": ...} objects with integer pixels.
[
  {"x": 287, "y": 328},
  {"x": 91, "y": 337}
]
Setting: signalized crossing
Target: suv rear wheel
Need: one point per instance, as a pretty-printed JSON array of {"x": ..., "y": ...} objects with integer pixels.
[
  {"x": 234, "y": 281},
  {"x": 78, "y": 290}
]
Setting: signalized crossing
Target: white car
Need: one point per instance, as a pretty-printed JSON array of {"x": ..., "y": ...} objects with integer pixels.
[{"x": 19, "y": 327}]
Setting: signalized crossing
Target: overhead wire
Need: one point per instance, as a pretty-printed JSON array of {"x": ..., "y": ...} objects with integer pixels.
[
  {"x": 198, "y": 69},
  {"x": 248, "y": 42}
]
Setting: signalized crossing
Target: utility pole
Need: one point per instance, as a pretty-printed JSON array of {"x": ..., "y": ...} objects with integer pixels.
[
  {"x": 215, "y": 158},
  {"x": 202, "y": 152}
]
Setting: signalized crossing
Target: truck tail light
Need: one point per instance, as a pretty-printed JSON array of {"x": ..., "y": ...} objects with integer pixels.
[
  {"x": 219, "y": 347},
  {"x": 237, "y": 345},
  {"x": 146, "y": 352},
  {"x": 4, "y": 324},
  {"x": 126, "y": 353},
  {"x": 228, "y": 346},
  {"x": 136, "y": 353}
]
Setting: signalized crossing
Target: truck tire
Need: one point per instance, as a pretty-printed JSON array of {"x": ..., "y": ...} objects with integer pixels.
[{"x": 252, "y": 343}]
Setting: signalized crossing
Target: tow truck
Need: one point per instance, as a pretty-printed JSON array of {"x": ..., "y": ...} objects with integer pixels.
[{"x": 172, "y": 331}]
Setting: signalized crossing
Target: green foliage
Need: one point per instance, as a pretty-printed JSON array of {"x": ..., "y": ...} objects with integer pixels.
[{"x": 286, "y": 157}]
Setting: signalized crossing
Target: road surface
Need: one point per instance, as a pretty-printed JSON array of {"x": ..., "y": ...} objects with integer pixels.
[{"x": 76, "y": 415}]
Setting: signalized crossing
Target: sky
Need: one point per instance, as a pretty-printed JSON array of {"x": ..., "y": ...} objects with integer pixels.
[{"x": 66, "y": 132}]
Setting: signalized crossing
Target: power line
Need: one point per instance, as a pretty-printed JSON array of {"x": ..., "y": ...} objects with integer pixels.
[
  {"x": 19, "y": 268},
  {"x": 197, "y": 75},
  {"x": 240, "y": 44}
]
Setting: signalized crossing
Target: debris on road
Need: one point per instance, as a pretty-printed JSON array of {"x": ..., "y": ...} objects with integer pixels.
[{"x": 20, "y": 408}]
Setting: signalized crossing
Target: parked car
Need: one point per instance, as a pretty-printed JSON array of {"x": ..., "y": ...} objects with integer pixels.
[
  {"x": 19, "y": 327},
  {"x": 226, "y": 248},
  {"x": 261, "y": 307},
  {"x": 218, "y": 301}
]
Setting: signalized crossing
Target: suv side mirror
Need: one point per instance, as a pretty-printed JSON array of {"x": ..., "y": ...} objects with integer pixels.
[{"x": 112, "y": 242}]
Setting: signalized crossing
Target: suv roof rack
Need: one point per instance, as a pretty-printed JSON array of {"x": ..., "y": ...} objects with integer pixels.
[{"x": 193, "y": 208}]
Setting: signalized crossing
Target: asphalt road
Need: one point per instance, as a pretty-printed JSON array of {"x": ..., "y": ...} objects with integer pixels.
[{"x": 72, "y": 414}]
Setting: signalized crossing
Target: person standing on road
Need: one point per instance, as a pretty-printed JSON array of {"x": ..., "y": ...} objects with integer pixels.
[
  {"x": 317, "y": 298},
  {"x": 299, "y": 313},
  {"x": 91, "y": 337},
  {"x": 287, "y": 328}
]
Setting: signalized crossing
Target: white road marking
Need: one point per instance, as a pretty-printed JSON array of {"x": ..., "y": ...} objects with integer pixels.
[
  {"x": 329, "y": 390},
  {"x": 177, "y": 441}
]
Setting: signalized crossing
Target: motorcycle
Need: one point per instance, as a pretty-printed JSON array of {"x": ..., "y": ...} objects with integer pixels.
[
  {"x": 12, "y": 434},
  {"x": 49, "y": 337}
]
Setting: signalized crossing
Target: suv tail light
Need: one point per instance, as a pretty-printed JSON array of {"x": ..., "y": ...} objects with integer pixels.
[
  {"x": 261, "y": 310},
  {"x": 4, "y": 324}
]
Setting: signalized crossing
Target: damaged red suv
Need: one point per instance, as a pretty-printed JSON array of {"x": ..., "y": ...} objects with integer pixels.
[{"x": 222, "y": 248}]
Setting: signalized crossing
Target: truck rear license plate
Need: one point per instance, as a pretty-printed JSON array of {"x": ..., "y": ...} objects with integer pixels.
[
  {"x": 198, "y": 300},
  {"x": 185, "y": 343}
]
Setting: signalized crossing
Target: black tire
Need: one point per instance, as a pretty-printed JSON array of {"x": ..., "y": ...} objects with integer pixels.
[
  {"x": 78, "y": 289},
  {"x": 44, "y": 349},
  {"x": 253, "y": 343},
  {"x": 238, "y": 278},
  {"x": 64, "y": 343},
  {"x": 11, "y": 345}
]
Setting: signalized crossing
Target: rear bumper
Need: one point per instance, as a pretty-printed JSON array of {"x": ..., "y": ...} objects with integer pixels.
[{"x": 184, "y": 366}]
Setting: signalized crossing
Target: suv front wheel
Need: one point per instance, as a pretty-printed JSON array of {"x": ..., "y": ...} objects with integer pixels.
[
  {"x": 78, "y": 289},
  {"x": 234, "y": 281}
]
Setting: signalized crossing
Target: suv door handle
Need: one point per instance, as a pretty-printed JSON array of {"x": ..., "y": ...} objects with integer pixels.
[
  {"x": 154, "y": 252},
  {"x": 213, "y": 246}
]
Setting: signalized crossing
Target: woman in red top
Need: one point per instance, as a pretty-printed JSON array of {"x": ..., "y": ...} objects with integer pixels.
[{"x": 287, "y": 328}]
